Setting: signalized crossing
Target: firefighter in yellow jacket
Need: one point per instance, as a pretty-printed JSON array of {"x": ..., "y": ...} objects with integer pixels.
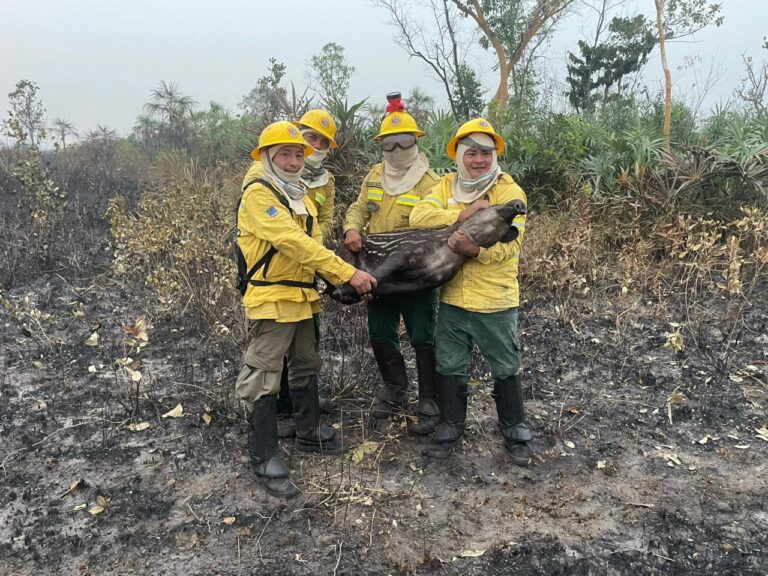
[
  {"x": 389, "y": 193},
  {"x": 283, "y": 250},
  {"x": 480, "y": 304},
  {"x": 319, "y": 131}
]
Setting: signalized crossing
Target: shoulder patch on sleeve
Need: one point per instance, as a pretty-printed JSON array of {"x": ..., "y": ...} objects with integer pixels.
[{"x": 271, "y": 211}]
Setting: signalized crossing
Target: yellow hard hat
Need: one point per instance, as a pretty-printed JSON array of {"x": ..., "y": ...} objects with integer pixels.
[
  {"x": 397, "y": 123},
  {"x": 282, "y": 132},
  {"x": 476, "y": 125},
  {"x": 321, "y": 122}
]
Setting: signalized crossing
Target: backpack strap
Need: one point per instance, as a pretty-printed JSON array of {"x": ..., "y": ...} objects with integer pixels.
[{"x": 265, "y": 260}]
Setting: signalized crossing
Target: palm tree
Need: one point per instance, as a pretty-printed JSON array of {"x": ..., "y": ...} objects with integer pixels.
[
  {"x": 173, "y": 110},
  {"x": 146, "y": 130},
  {"x": 63, "y": 129}
]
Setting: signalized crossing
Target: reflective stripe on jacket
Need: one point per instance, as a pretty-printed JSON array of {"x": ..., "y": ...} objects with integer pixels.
[
  {"x": 487, "y": 283},
  {"x": 376, "y": 211}
]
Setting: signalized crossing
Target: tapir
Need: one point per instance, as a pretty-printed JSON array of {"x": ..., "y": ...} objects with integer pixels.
[{"x": 419, "y": 260}]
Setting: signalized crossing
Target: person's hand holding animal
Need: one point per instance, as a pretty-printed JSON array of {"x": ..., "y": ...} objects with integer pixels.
[
  {"x": 353, "y": 241},
  {"x": 460, "y": 243},
  {"x": 474, "y": 207}
]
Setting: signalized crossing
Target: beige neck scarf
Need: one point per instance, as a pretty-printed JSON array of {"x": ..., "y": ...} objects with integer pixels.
[
  {"x": 402, "y": 170},
  {"x": 314, "y": 175},
  {"x": 465, "y": 188},
  {"x": 287, "y": 182}
]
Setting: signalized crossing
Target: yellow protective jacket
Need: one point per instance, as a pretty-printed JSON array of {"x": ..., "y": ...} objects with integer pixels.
[
  {"x": 376, "y": 211},
  {"x": 487, "y": 283},
  {"x": 264, "y": 222},
  {"x": 323, "y": 198}
]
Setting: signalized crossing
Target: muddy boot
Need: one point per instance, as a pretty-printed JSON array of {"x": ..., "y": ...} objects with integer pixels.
[
  {"x": 285, "y": 425},
  {"x": 427, "y": 411},
  {"x": 453, "y": 415},
  {"x": 262, "y": 448},
  {"x": 326, "y": 403},
  {"x": 390, "y": 397},
  {"x": 311, "y": 434},
  {"x": 508, "y": 394}
]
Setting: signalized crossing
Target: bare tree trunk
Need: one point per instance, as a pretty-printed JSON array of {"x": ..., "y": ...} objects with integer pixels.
[
  {"x": 667, "y": 73},
  {"x": 542, "y": 12}
]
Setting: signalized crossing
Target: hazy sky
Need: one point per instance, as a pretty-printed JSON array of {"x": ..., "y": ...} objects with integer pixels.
[{"x": 97, "y": 60}]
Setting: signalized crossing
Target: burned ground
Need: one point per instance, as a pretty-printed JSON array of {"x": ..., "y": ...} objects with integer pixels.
[{"x": 649, "y": 459}]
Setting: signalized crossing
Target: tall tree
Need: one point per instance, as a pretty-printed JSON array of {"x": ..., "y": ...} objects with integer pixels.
[
  {"x": 605, "y": 64},
  {"x": 268, "y": 100},
  {"x": 330, "y": 72},
  {"x": 27, "y": 115},
  {"x": 438, "y": 45},
  {"x": 509, "y": 27},
  {"x": 63, "y": 129},
  {"x": 677, "y": 19},
  {"x": 173, "y": 110}
]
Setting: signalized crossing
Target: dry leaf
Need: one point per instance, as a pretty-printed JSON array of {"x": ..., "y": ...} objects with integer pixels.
[
  {"x": 138, "y": 426},
  {"x": 365, "y": 448},
  {"x": 79, "y": 311},
  {"x": 762, "y": 433},
  {"x": 135, "y": 375},
  {"x": 207, "y": 418},
  {"x": 675, "y": 341},
  {"x": 79, "y": 507},
  {"x": 177, "y": 412},
  {"x": 93, "y": 340},
  {"x": 72, "y": 487},
  {"x": 672, "y": 459},
  {"x": 92, "y": 369},
  {"x": 37, "y": 364},
  {"x": 735, "y": 378},
  {"x": 96, "y": 509},
  {"x": 570, "y": 444},
  {"x": 229, "y": 520},
  {"x": 472, "y": 553},
  {"x": 101, "y": 501},
  {"x": 600, "y": 464}
]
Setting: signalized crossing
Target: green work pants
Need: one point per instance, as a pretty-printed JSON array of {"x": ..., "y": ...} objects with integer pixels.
[
  {"x": 495, "y": 334},
  {"x": 418, "y": 312}
]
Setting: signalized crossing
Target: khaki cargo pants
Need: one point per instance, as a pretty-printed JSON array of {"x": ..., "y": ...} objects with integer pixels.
[{"x": 268, "y": 343}]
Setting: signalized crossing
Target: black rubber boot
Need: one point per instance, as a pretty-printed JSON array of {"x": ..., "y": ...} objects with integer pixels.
[
  {"x": 262, "y": 448},
  {"x": 311, "y": 434},
  {"x": 390, "y": 398},
  {"x": 453, "y": 415},
  {"x": 508, "y": 394},
  {"x": 428, "y": 411},
  {"x": 285, "y": 425}
]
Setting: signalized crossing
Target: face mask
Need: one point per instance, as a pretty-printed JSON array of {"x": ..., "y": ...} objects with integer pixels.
[
  {"x": 316, "y": 159},
  {"x": 401, "y": 158}
]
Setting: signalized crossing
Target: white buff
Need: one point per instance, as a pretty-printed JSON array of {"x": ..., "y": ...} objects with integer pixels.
[
  {"x": 465, "y": 188},
  {"x": 288, "y": 183},
  {"x": 314, "y": 175},
  {"x": 402, "y": 170}
]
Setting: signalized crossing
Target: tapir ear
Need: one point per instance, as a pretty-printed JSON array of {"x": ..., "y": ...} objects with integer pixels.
[{"x": 511, "y": 234}]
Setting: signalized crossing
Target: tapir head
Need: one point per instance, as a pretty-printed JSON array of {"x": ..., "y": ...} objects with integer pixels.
[{"x": 487, "y": 227}]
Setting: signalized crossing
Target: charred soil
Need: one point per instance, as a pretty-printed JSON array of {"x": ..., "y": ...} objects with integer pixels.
[{"x": 648, "y": 452}]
